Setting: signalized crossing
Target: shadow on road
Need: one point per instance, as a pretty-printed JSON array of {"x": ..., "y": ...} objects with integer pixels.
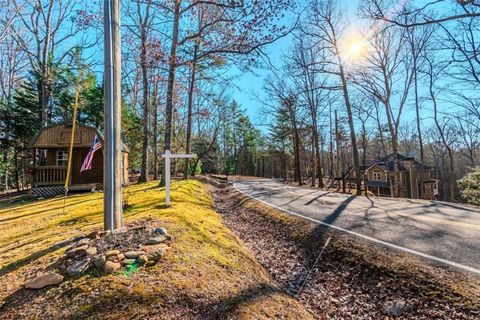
[
  {"x": 316, "y": 198},
  {"x": 330, "y": 219}
]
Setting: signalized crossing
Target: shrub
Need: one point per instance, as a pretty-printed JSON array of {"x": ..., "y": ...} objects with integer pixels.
[{"x": 469, "y": 187}]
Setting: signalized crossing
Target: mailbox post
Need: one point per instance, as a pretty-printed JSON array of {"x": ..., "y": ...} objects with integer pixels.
[{"x": 168, "y": 156}]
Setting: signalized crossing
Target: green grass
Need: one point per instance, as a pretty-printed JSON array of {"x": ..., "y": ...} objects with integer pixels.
[{"x": 207, "y": 269}]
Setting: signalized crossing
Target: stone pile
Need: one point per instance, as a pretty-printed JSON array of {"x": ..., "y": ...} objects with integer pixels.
[{"x": 137, "y": 247}]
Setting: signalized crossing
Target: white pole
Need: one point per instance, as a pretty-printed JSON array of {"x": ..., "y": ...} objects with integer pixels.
[
  {"x": 112, "y": 183},
  {"x": 167, "y": 178}
]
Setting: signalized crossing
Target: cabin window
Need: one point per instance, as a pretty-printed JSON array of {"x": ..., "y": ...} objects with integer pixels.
[
  {"x": 377, "y": 175},
  {"x": 62, "y": 158}
]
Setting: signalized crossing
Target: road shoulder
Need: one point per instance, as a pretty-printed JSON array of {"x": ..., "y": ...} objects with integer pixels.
[{"x": 354, "y": 277}]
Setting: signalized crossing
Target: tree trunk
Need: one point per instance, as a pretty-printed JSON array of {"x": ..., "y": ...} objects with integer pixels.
[
  {"x": 45, "y": 72},
  {"x": 353, "y": 139},
  {"x": 380, "y": 131},
  {"x": 364, "y": 157},
  {"x": 171, "y": 81},
  {"x": 298, "y": 170},
  {"x": 419, "y": 128},
  {"x": 155, "y": 129},
  {"x": 17, "y": 180},
  {"x": 314, "y": 160},
  {"x": 451, "y": 186},
  {"x": 146, "y": 108},
  {"x": 190, "y": 106}
]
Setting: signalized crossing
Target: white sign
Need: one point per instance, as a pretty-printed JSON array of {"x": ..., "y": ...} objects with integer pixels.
[{"x": 167, "y": 157}]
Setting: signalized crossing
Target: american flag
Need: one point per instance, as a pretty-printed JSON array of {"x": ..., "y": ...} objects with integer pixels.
[{"x": 87, "y": 163}]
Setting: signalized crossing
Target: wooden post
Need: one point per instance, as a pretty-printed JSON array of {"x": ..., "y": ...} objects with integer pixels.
[{"x": 112, "y": 179}]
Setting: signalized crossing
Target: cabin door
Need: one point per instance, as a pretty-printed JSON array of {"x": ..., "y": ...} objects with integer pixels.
[{"x": 77, "y": 160}]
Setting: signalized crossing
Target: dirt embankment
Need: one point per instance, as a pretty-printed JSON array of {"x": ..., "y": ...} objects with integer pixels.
[{"x": 354, "y": 279}]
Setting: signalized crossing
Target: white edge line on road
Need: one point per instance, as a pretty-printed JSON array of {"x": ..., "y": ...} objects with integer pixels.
[{"x": 388, "y": 244}]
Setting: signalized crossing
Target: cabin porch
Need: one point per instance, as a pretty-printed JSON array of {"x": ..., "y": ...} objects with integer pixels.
[{"x": 50, "y": 168}]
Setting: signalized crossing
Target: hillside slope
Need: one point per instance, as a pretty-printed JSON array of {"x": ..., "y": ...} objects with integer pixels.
[{"x": 207, "y": 274}]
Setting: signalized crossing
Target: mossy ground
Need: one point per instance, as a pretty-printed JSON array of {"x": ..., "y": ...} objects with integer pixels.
[{"x": 208, "y": 273}]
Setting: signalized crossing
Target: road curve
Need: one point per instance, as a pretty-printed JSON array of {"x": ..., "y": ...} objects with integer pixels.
[{"x": 441, "y": 232}]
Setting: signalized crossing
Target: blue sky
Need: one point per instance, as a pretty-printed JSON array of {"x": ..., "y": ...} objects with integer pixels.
[{"x": 249, "y": 84}]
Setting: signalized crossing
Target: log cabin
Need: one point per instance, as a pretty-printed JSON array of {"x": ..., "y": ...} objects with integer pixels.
[{"x": 50, "y": 159}]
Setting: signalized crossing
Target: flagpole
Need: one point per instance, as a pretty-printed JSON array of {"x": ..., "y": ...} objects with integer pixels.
[{"x": 112, "y": 180}]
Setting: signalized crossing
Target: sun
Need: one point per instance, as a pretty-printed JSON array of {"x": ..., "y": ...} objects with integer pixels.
[{"x": 354, "y": 47}]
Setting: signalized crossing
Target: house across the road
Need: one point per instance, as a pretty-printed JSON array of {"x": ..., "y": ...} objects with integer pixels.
[
  {"x": 50, "y": 158},
  {"x": 415, "y": 182}
]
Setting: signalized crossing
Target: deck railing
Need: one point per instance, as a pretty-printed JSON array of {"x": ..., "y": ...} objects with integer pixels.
[{"x": 49, "y": 175}]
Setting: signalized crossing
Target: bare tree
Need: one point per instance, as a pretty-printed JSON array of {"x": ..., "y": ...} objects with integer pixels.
[
  {"x": 45, "y": 32},
  {"x": 141, "y": 28},
  {"x": 308, "y": 86},
  {"x": 430, "y": 12},
  {"x": 283, "y": 103},
  {"x": 468, "y": 138},
  {"x": 443, "y": 127},
  {"x": 239, "y": 28},
  {"x": 418, "y": 39},
  {"x": 388, "y": 76},
  {"x": 461, "y": 42},
  {"x": 364, "y": 109},
  {"x": 325, "y": 29}
]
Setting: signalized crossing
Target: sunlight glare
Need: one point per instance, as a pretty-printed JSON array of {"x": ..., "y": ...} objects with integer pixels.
[{"x": 355, "y": 47}]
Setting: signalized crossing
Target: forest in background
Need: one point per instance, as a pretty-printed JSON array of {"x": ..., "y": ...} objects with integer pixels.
[{"x": 391, "y": 80}]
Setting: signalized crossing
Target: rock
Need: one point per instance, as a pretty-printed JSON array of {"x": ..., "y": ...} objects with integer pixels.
[
  {"x": 155, "y": 252},
  {"x": 129, "y": 261},
  {"x": 111, "y": 267},
  {"x": 133, "y": 254},
  {"x": 112, "y": 253},
  {"x": 77, "y": 251},
  {"x": 121, "y": 256},
  {"x": 142, "y": 259},
  {"x": 396, "y": 308},
  {"x": 42, "y": 281},
  {"x": 94, "y": 235},
  {"x": 160, "y": 231},
  {"x": 137, "y": 228},
  {"x": 78, "y": 267},
  {"x": 150, "y": 263},
  {"x": 156, "y": 240},
  {"x": 113, "y": 258},
  {"x": 100, "y": 261},
  {"x": 91, "y": 251},
  {"x": 158, "y": 248},
  {"x": 157, "y": 255}
]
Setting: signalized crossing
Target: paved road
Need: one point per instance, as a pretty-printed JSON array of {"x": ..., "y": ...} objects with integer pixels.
[{"x": 442, "y": 232}]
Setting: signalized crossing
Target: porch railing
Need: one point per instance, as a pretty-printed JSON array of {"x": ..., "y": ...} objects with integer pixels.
[{"x": 49, "y": 175}]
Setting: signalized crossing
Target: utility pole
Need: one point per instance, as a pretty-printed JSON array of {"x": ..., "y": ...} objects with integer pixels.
[{"x": 112, "y": 148}]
